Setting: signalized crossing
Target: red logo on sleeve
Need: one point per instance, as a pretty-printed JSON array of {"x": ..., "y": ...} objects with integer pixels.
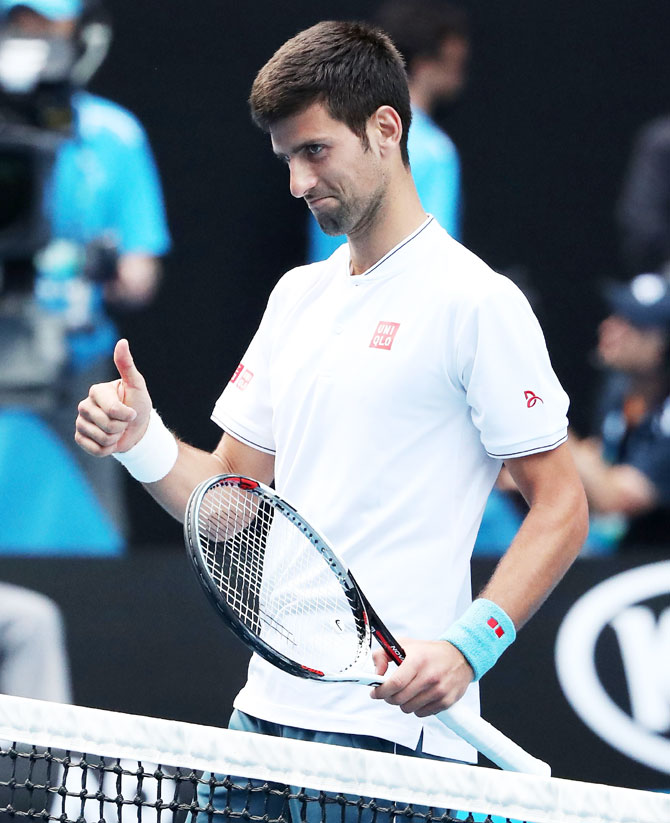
[
  {"x": 531, "y": 398},
  {"x": 242, "y": 377},
  {"x": 384, "y": 335}
]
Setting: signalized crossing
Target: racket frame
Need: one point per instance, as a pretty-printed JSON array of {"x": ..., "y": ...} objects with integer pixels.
[{"x": 360, "y": 607}]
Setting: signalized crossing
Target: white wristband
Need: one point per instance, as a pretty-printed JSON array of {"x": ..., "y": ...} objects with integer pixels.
[{"x": 154, "y": 455}]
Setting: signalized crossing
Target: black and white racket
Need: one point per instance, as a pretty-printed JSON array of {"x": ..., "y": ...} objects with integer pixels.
[{"x": 281, "y": 589}]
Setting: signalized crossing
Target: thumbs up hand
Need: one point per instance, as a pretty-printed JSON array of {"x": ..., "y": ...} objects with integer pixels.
[{"x": 115, "y": 415}]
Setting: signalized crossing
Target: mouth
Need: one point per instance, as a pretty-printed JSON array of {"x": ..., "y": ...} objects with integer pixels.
[{"x": 316, "y": 202}]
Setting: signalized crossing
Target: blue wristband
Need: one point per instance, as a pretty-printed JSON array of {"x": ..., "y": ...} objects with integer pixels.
[{"x": 481, "y": 635}]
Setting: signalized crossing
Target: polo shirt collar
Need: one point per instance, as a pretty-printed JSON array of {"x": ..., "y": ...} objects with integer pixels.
[{"x": 384, "y": 267}]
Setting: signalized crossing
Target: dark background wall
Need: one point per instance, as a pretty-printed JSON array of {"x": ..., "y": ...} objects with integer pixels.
[{"x": 557, "y": 91}]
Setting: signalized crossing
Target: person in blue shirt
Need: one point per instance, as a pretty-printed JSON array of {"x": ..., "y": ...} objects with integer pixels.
[
  {"x": 433, "y": 38},
  {"x": 104, "y": 193}
]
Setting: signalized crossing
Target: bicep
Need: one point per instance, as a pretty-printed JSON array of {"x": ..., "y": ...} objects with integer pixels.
[{"x": 544, "y": 477}]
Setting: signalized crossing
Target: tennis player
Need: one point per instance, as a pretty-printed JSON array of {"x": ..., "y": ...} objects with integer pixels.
[{"x": 382, "y": 392}]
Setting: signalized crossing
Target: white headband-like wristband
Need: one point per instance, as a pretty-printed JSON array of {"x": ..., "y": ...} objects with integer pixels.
[{"x": 154, "y": 455}]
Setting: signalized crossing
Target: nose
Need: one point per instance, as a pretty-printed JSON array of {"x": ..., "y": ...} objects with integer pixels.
[{"x": 302, "y": 176}]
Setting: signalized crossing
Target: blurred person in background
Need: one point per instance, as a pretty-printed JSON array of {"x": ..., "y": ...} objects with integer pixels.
[
  {"x": 434, "y": 40},
  {"x": 33, "y": 655},
  {"x": 643, "y": 212},
  {"x": 100, "y": 246},
  {"x": 625, "y": 468}
]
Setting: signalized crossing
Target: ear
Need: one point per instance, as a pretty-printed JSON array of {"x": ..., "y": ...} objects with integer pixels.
[{"x": 386, "y": 130}]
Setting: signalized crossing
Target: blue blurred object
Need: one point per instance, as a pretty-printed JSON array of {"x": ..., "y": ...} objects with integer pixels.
[
  {"x": 500, "y": 523},
  {"x": 53, "y": 9},
  {"x": 47, "y": 518}
]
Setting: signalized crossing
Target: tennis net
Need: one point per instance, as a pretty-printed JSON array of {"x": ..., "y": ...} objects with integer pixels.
[{"x": 70, "y": 763}]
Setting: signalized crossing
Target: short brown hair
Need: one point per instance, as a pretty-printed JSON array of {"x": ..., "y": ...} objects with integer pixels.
[{"x": 353, "y": 68}]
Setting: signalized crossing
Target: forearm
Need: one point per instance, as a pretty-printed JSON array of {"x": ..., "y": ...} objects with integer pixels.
[
  {"x": 543, "y": 550},
  {"x": 549, "y": 539},
  {"x": 192, "y": 467}
]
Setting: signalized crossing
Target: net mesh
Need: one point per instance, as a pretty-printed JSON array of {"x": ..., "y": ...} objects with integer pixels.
[{"x": 70, "y": 763}]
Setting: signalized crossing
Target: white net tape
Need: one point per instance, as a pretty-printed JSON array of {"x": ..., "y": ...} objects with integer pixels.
[{"x": 324, "y": 768}]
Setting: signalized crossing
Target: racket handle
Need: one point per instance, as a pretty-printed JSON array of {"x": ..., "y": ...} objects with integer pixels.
[{"x": 491, "y": 742}]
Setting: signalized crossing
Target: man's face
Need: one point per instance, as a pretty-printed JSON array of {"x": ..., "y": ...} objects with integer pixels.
[
  {"x": 627, "y": 348},
  {"x": 342, "y": 181}
]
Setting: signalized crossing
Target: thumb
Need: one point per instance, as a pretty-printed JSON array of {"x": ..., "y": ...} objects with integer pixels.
[
  {"x": 123, "y": 359},
  {"x": 381, "y": 661}
]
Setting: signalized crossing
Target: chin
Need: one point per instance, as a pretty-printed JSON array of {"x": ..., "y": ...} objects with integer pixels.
[{"x": 328, "y": 226}]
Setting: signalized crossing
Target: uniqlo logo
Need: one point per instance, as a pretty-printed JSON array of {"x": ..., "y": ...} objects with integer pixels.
[
  {"x": 384, "y": 335},
  {"x": 241, "y": 377}
]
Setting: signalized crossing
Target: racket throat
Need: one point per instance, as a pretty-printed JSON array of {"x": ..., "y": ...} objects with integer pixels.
[{"x": 393, "y": 650}]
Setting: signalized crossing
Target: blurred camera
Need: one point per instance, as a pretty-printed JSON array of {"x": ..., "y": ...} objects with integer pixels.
[
  {"x": 37, "y": 78},
  {"x": 35, "y": 117}
]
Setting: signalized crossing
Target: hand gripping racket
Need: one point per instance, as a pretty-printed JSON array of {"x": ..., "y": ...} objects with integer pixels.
[{"x": 281, "y": 589}]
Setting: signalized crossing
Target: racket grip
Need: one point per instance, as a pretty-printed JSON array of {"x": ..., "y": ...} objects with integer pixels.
[{"x": 491, "y": 742}]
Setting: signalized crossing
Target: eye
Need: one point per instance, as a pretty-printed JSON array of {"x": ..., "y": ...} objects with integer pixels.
[{"x": 314, "y": 149}]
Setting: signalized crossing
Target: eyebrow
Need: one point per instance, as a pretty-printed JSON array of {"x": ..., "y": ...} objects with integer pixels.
[{"x": 297, "y": 149}]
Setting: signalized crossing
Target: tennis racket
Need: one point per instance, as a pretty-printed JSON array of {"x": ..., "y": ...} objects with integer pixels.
[{"x": 281, "y": 589}]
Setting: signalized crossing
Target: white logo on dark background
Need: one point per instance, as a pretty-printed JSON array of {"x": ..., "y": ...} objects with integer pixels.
[{"x": 643, "y": 637}]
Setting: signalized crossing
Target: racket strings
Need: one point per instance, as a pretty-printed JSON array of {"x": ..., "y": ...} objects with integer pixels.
[
  {"x": 233, "y": 531},
  {"x": 276, "y": 582}
]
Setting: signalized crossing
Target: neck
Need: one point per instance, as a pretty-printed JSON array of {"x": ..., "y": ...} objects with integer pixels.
[{"x": 400, "y": 214}]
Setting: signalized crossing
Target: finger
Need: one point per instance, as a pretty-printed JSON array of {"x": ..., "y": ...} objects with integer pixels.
[
  {"x": 432, "y": 699},
  {"x": 392, "y": 688},
  {"x": 439, "y": 704},
  {"x": 105, "y": 397},
  {"x": 126, "y": 367},
  {"x": 92, "y": 413},
  {"x": 434, "y": 707},
  {"x": 422, "y": 702},
  {"x": 91, "y": 446},
  {"x": 94, "y": 434},
  {"x": 381, "y": 661}
]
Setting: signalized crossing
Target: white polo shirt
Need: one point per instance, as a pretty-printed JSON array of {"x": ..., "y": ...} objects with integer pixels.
[{"x": 389, "y": 400}]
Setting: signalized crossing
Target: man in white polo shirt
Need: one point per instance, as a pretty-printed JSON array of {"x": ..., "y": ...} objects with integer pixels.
[{"x": 381, "y": 393}]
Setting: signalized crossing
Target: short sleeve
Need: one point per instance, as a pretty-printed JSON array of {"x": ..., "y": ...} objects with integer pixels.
[
  {"x": 244, "y": 408},
  {"x": 516, "y": 401}
]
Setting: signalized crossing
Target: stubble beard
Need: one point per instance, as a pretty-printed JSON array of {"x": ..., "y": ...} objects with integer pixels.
[{"x": 352, "y": 217}]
